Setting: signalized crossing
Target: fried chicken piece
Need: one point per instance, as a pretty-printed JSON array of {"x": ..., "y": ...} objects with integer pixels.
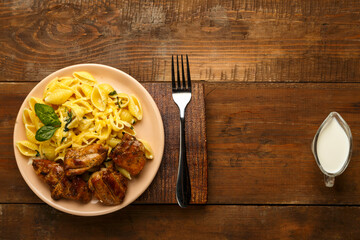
[
  {"x": 79, "y": 160},
  {"x": 49, "y": 171},
  {"x": 109, "y": 186},
  {"x": 60, "y": 186},
  {"x": 73, "y": 188},
  {"x": 129, "y": 154}
]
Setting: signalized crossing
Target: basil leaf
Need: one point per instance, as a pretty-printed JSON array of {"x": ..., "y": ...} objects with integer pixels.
[
  {"x": 45, "y": 133},
  {"x": 47, "y": 115}
]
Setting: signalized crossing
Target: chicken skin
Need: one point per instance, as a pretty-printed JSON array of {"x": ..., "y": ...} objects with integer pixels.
[
  {"x": 129, "y": 154},
  {"x": 60, "y": 186},
  {"x": 108, "y": 186},
  {"x": 79, "y": 160}
]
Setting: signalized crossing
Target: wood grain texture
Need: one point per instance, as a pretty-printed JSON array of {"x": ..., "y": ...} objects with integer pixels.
[
  {"x": 241, "y": 40},
  {"x": 273, "y": 69},
  {"x": 258, "y": 138},
  {"x": 39, "y": 221},
  {"x": 162, "y": 189},
  {"x": 259, "y": 141}
]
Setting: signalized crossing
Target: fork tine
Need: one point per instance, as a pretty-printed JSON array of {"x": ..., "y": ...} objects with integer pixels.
[
  {"x": 188, "y": 72},
  {"x": 183, "y": 73},
  {"x": 172, "y": 73},
  {"x": 178, "y": 72}
]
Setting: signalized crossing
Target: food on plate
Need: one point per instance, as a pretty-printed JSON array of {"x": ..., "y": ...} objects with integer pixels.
[
  {"x": 129, "y": 154},
  {"x": 61, "y": 186},
  {"x": 81, "y": 139},
  {"x": 108, "y": 185},
  {"x": 75, "y": 112},
  {"x": 79, "y": 160}
]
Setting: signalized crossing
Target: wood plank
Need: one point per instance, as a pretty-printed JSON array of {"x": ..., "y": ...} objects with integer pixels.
[
  {"x": 259, "y": 142},
  {"x": 162, "y": 189},
  {"x": 245, "y": 41},
  {"x": 258, "y": 136},
  {"x": 19, "y": 221}
]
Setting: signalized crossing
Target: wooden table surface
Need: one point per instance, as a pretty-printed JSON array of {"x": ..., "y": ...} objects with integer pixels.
[{"x": 272, "y": 71}]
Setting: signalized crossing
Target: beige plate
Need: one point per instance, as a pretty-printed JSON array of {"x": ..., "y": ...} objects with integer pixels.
[{"x": 150, "y": 128}]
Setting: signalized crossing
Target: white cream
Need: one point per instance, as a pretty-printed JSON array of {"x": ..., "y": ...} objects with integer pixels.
[{"x": 333, "y": 147}]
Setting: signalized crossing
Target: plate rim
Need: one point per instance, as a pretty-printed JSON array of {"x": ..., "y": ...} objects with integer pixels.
[{"x": 106, "y": 210}]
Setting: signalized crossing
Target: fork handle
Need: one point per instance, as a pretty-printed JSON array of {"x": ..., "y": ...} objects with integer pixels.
[{"x": 183, "y": 188}]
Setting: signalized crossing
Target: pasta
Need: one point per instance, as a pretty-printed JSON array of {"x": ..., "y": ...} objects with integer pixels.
[
  {"x": 34, "y": 100},
  {"x": 148, "y": 149},
  {"x": 89, "y": 112},
  {"x": 27, "y": 148},
  {"x": 135, "y": 107},
  {"x": 58, "y": 96}
]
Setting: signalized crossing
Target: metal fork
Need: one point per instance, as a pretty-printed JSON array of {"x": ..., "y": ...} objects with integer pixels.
[{"x": 182, "y": 95}]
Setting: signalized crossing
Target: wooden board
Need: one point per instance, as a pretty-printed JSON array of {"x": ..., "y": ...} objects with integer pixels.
[
  {"x": 238, "y": 40},
  {"x": 162, "y": 189},
  {"x": 39, "y": 221}
]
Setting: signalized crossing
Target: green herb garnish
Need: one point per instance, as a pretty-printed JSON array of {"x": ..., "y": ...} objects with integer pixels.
[
  {"x": 117, "y": 102},
  {"x": 62, "y": 139},
  {"x": 68, "y": 120},
  {"x": 47, "y": 115},
  {"x": 45, "y": 133},
  {"x": 37, "y": 153},
  {"x": 112, "y": 93},
  {"x": 49, "y": 118}
]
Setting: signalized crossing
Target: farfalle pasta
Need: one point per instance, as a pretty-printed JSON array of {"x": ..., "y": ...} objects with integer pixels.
[{"x": 88, "y": 112}]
